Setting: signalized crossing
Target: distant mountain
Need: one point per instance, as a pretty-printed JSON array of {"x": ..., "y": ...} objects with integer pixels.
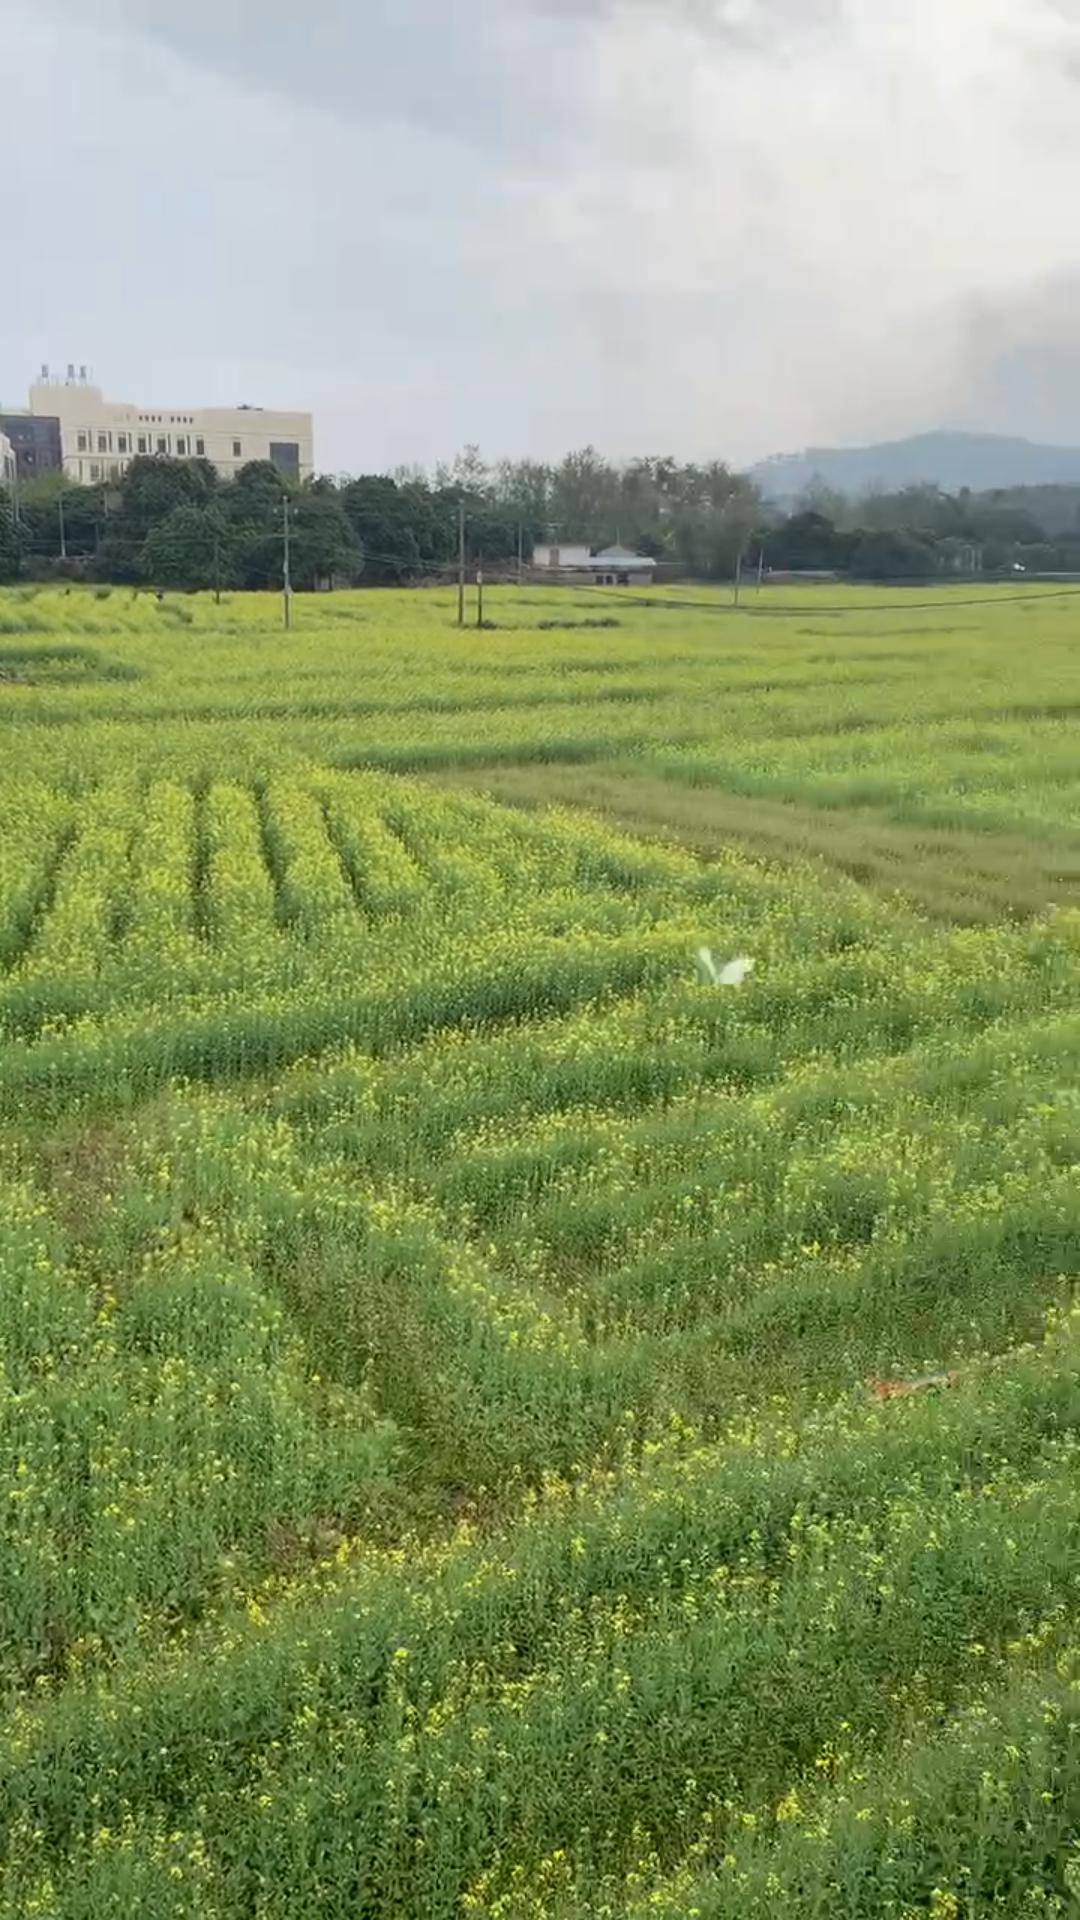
[{"x": 949, "y": 460}]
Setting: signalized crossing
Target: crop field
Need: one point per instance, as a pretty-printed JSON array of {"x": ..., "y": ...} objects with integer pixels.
[{"x": 492, "y": 1425}]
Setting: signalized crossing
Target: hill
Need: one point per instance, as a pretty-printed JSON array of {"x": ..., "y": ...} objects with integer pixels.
[{"x": 950, "y": 460}]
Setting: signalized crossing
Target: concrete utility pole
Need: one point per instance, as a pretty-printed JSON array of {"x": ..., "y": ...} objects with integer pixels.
[
  {"x": 480, "y": 594},
  {"x": 738, "y": 576},
  {"x": 461, "y": 565},
  {"x": 63, "y": 531},
  {"x": 521, "y": 555},
  {"x": 761, "y": 569},
  {"x": 18, "y": 519},
  {"x": 286, "y": 576}
]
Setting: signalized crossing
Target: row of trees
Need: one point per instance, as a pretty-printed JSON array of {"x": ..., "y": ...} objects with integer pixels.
[
  {"x": 922, "y": 531},
  {"x": 177, "y": 524}
]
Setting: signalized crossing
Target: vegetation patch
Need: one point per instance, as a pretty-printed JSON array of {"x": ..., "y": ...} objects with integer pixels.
[
  {"x": 500, "y": 1420},
  {"x": 47, "y": 666}
]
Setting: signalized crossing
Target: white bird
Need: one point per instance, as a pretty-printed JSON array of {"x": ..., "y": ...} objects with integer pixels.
[{"x": 731, "y": 973}]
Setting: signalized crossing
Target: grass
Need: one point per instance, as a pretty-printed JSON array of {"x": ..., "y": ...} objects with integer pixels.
[
  {"x": 954, "y": 874},
  {"x": 452, "y": 1453}
]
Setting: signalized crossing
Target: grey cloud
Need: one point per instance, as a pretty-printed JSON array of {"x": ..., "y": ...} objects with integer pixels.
[
  {"x": 774, "y": 26},
  {"x": 1021, "y": 361},
  {"x": 716, "y": 228},
  {"x": 457, "y": 73}
]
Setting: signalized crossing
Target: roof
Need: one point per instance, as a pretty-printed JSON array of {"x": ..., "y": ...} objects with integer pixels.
[{"x": 622, "y": 557}]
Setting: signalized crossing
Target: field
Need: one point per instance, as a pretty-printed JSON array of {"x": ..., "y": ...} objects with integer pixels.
[{"x": 456, "y": 1447}]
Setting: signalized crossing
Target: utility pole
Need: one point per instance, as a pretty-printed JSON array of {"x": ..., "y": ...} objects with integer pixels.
[
  {"x": 738, "y": 576},
  {"x": 286, "y": 576},
  {"x": 521, "y": 554},
  {"x": 16, "y": 517},
  {"x": 480, "y": 594},
  {"x": 461, "y": 565},
  {"x": 761, "y": 569},
  {"x": 217, "y": 570},
  {"x": 63, "y": 531}
]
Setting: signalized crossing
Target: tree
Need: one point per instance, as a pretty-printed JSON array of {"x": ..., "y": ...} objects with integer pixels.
[
  {"x": 523, "y": 488},
  {"x": 893, "y": 554},
  {"x": 151, "y": 489},
  {"x": 193, "y": 547},
  {"x": 808, "y": 542},
  {"x": 467, "y": 473},
  {"x": 255, "y": 495},
  {"x": 43, "y": 499},
  {"x": 322, "y": 544},
  {"x": 584, "y": 497},
  {"x": 153, "y": 486},
  {"x": 826, "y": 502},
  {"x": 9, "y": 540},
  {"x": 381, "y": 517}
]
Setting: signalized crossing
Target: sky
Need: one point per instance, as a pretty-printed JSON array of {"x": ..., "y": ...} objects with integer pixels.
[{"x": 713, "y": 228}]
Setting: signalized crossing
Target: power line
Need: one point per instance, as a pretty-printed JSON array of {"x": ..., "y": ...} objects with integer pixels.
[{"x": 809, "y": 606}]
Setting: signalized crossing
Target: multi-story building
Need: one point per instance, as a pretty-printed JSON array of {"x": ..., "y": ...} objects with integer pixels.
[
  {"x": 35, "y": 443},
  {"x": 7, "y": 461},
  {"x": 95, "y": 438}
]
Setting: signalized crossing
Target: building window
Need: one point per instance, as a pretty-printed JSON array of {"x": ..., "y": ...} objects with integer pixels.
[
  {"x": 181, "y": 443},
  {"x": 142, "y": 443},
  {"x": 121, "y": 443},
  {"x": 95, "y": 470},
  {"x": 82, "y": 443},
  {"x": 236, "y": 449},
  {"x": 163, "y": 443},
  {"x": 285, "y": 455},
  {"x": 103, "y": 443},
  {"x": 200, "y": 446}
]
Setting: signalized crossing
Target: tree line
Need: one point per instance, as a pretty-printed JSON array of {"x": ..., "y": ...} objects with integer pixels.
[{"x": 177, "y": 524}]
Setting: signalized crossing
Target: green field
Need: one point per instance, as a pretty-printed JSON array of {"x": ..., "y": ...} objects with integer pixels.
[{"x": 450, "y": 1447}]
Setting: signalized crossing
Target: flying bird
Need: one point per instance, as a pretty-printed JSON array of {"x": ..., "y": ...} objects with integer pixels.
[{"x": 730, "y": 973}]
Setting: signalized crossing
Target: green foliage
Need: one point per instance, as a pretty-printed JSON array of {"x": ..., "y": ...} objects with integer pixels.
[
  {"x": 491, "y": 1425},
  {"x": 154, "y": 487},
  {"x": 382, "y": 519},
  {"x": 697, "y": 517},
  {"x": 192, "y": 547},
  {"x": 9, "y": 541},
  {"x": 892, "y": 554}
]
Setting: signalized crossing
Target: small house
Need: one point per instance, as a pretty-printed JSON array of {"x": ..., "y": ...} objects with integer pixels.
[
  {"x": 574, "y": 564},
  {"x": 621, "y": 567}
]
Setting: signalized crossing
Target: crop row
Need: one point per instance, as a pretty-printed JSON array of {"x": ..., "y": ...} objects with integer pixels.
[{"x": 694, "y": 1639}]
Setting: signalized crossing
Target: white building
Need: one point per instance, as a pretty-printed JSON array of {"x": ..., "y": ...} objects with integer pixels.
[
  {"x": 611, "y": 567},
  {"x": 7, "y": 461},
  {"x": 99, "y": 437},
  {"x": 621, "y": 567}
]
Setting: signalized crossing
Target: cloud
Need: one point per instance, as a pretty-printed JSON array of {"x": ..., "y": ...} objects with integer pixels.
[
  {"x": 720, "y": 227},
  {"x": 772, "y": 25},
  {"x": 1021, "y": 359}
]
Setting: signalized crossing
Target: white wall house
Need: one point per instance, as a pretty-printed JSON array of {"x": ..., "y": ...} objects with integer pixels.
[
  {"x": 99, "y": 436},
  {"x": 621, "y": 567},
  {"x": 611, "y": 567},
  {"x": 569, "y": 557},
  {"x": 7, "y": 461}
]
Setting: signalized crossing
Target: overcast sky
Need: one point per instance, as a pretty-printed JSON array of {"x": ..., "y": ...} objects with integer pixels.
[{"x": 711, "y": 227}]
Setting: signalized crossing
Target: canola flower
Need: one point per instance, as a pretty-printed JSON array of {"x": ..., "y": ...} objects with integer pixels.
[{"x": 439, "y": 1470}]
